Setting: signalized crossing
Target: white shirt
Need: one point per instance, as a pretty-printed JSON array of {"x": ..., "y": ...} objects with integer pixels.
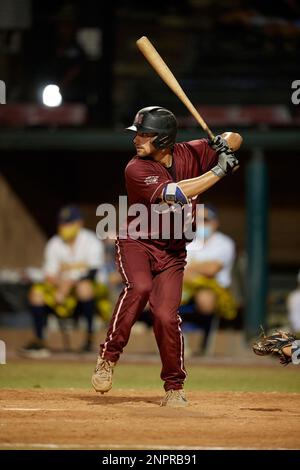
[
  {"x": 86, "y": 249},
  {"x": 218, "y": 247},
  {"x": 293, "y": 304}
]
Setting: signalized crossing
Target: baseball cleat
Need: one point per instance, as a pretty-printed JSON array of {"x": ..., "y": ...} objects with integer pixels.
[
  {"x": 102, "y": 377},
  {"x": 174, "y": 399}
]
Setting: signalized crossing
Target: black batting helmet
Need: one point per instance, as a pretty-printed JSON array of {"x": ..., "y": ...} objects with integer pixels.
[{"x": 157, "y": 120}]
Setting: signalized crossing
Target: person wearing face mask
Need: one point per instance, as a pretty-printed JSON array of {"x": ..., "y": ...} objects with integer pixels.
[
  {"x": 207, "y": 277},
  {"x": 71, "y": 261}
]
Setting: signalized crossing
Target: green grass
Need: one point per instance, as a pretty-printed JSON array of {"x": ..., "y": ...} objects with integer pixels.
[{"x": 146, "y": 376}]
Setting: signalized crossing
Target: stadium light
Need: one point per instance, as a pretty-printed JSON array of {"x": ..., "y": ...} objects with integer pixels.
[{"x": 52, "y": 96}]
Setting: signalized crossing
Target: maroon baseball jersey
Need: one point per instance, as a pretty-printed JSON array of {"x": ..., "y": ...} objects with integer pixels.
[{"x": 145, "y": 180}]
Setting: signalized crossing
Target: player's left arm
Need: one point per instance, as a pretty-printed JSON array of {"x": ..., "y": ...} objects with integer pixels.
[
  {"x": 206, "y": 268},
  {"x": 203, "y": 268},
  {"x": 207, "y": 151},
  {"x": 216, "y": 161},
  {"x": 64, "y": 267}
]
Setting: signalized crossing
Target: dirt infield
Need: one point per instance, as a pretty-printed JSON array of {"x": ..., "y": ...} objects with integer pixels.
[{"x": 131, "y": 419}]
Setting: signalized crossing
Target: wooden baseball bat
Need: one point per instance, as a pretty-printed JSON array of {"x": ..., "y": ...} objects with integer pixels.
[{"x": 155, "y": 60}]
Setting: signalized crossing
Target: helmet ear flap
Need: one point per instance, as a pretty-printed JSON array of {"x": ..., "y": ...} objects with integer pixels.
[
  {"x": 164, "y": 141},
  {"x": 154, "y": 142}
]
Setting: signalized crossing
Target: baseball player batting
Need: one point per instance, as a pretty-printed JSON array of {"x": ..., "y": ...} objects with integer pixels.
[{"x": 152, "y": 269}]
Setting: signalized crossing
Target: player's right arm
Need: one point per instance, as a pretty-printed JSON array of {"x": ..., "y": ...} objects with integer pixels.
[{"x": 195, "y": 186}]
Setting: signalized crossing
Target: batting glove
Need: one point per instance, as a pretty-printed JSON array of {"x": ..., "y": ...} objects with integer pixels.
[
  {"x": 227, "y": 162},
  {"x": 219, "y": 144}
]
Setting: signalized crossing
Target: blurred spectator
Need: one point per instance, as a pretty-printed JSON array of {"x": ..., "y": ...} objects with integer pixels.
[
  {"x": 207, "y": 277},
  {"x": 15, "y": 23},
  {"x": 293, "y": 306},
  {"x": 73, "y": 259},
  {"x": 62, "y": 61}
]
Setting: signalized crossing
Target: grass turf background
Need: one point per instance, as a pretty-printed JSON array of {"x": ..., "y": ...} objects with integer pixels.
[{"x": 29, "y": 374}]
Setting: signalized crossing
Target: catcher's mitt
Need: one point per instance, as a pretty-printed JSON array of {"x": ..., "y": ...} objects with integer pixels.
[{"x": 274, "y": 344}]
